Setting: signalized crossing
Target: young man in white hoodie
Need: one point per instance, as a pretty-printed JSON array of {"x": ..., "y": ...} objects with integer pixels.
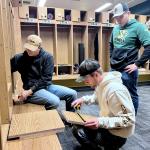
[{"x": 116, "y": 119}]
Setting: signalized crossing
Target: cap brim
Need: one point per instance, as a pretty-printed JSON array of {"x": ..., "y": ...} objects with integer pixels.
[
  {"x": 117, "y": 15},
  {"x": 80, "y": 79},
  {"x": 30, "y": 47}
]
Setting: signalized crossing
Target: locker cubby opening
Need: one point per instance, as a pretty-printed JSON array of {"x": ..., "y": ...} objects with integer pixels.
[
  {"x": 79, "y": 40},
  {"x": 55, "y": 70},
  {"x": 47, "y": 34},
  {"x": 28, "y": 29},
  {"x": 93, "y": 42},
  {"x": 32, "y": 12},
  {"x": 64, "y": 44},
  {"x": 51, "y": 13},
  {"x": 67, "y": 15},
  {"x": 83, "y": 16},
  {"x": 97, "y": 17},
  {"x": 64, "y": 70},
  {"x": 105, "y": 54}
]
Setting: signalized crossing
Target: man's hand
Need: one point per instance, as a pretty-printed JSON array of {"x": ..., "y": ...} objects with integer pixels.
[
  {"x": 92, "y": 124},
  {"x": 131, "y": 68},
  {"x": 77, "y": 102},
  {"x": 24, "y": 95}
]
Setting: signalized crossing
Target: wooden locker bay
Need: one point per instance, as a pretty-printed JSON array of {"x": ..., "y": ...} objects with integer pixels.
[{"x": 62, "y": 36}]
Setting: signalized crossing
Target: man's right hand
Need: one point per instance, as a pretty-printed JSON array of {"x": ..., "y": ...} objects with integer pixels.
[{"x": 77, "y": 102}]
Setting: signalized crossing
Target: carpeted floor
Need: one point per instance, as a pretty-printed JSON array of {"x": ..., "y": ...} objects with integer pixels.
[{"x": 141, "y": 138}]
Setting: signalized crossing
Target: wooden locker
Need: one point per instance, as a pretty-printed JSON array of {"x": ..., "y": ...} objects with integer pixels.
[
  {"x": 90, "y": 17},
  {"x": 42, "y": 12},
  {"x": 132, "y": 16},
  {"x": 104, "y": 17},
  {"x": 142, "y": 19},
  {"x": 24, "y": 12},
  {"x": 75, "y": 15},
  {"x": 59, "y": 14}
]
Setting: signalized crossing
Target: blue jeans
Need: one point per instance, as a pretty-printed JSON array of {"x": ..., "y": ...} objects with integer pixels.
[
  {"x": 130, "y": 81},
  {"x": 51, "y": 97}
]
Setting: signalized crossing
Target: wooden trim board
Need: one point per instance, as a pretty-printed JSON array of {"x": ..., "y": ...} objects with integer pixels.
[
  {"x": 35, "y": 124},
  {"x": 74, "y": 118},
  {"x": 25, "y": 108},
  {"x": 41, "y": 143}
]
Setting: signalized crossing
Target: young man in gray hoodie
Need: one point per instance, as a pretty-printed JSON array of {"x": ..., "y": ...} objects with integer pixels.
[{"x": 116, "y": 119}]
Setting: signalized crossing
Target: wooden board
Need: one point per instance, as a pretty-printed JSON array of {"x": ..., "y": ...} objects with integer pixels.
[
  {"x": 74, "y": 118},
  {"x": 63, "y": 45},
  {"x": 24, "y": 108},
  {"x": 3, "y": 134},
  {"x": 48, "y": 38},
  {"x": 35, "y": 123},
  {"x": 41, "y": 143}
]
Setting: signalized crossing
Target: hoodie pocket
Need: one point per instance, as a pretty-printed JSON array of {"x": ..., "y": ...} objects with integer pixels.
[{"x": 119, "y": 58}]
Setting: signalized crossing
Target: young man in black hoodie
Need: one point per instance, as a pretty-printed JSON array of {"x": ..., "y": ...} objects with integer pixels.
[
  {"x": 36, "y": 67},
  {"x": 127, "y": 38}
]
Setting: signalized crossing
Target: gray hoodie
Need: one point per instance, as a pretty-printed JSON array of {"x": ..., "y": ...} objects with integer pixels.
[{"x": 117, "y": 112}]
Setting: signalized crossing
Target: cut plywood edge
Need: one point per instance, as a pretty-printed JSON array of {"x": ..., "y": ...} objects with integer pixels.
[
  {"x": 35, "y": 124},
  {"x": 4, "y": 133},
  {"x": 24, "y": 108},
  {"x": 74, "y": 118},
  {"x": 50, "y": 142}
]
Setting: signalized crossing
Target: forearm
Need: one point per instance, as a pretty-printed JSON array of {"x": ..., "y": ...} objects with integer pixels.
[
  {"x": 88, "y": 99},
  {"x": 121, "y": 121},
  {"x": 144, "y": 57}
]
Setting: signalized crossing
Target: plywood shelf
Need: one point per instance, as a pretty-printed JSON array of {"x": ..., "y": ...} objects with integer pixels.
[
  {"x": 36, "y": 124},
  {"x": 50, "y": 142}
]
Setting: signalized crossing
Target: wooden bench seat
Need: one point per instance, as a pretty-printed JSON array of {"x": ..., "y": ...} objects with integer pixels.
[
  {"x": 41, "y": 143},
  {"x": 24, "y": 108}
]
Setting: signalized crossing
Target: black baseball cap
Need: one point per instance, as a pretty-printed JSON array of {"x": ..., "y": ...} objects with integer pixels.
[
  {"x": 120, "y": 9},
  {"x": 87, "y": 67}
]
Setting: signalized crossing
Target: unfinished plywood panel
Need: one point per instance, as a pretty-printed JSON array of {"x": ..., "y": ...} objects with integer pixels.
[
  {"x": 24, "y": 12},
  {"x": 74, "y": 118},
  {"x": 104, "y": 17},
  {"x": 64, "y": 44},
  {"x": 26, "y": 30},
  {"x": 3, "y": 135},
  {"x": 90, "y": 16},
  {"x": 132, "y": 16},
  {"x": 42, "y": 12},
  {"x": 75, "y": 15},
  {"x": 50, "y": 142},
  {"x": 24, "y": 108},
  {"x": 35, "y": 123},
  {"x": 92, "y": 45},
  {"x": 105, "y": 53},
  {"x": 5, "y": 76},
  {"x": 80, "y": 35},
  {"x": 142, "y": 19},
  {"x": 59, "y": 14},
  {"x": 47, "y": 34}
]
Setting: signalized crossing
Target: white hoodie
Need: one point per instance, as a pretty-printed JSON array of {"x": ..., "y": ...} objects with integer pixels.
[{"x": 116, "y": 108}]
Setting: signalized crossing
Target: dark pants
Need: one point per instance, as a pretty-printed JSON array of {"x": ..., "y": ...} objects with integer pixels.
[
  {"x": 95, "y": 139},
  {"x": 130, "y": 81}
]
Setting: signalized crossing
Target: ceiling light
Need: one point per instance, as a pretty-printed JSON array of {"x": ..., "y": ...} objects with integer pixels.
[
  {"x": 41, "y": 3},
  {"x": 101, "y": 8}
]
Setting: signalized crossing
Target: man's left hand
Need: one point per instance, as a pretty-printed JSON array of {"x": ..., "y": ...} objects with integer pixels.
[
  {"x": 24, "y": 94},
  {"x": 92, "y": 124},
  {"x": 131, "y": 68}
]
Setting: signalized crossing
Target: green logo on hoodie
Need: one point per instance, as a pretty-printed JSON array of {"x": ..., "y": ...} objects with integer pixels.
[{"x": 121, "y": 36}]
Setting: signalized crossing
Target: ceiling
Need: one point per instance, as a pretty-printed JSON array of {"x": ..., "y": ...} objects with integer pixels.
[{"x": 84, "y": 4}]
